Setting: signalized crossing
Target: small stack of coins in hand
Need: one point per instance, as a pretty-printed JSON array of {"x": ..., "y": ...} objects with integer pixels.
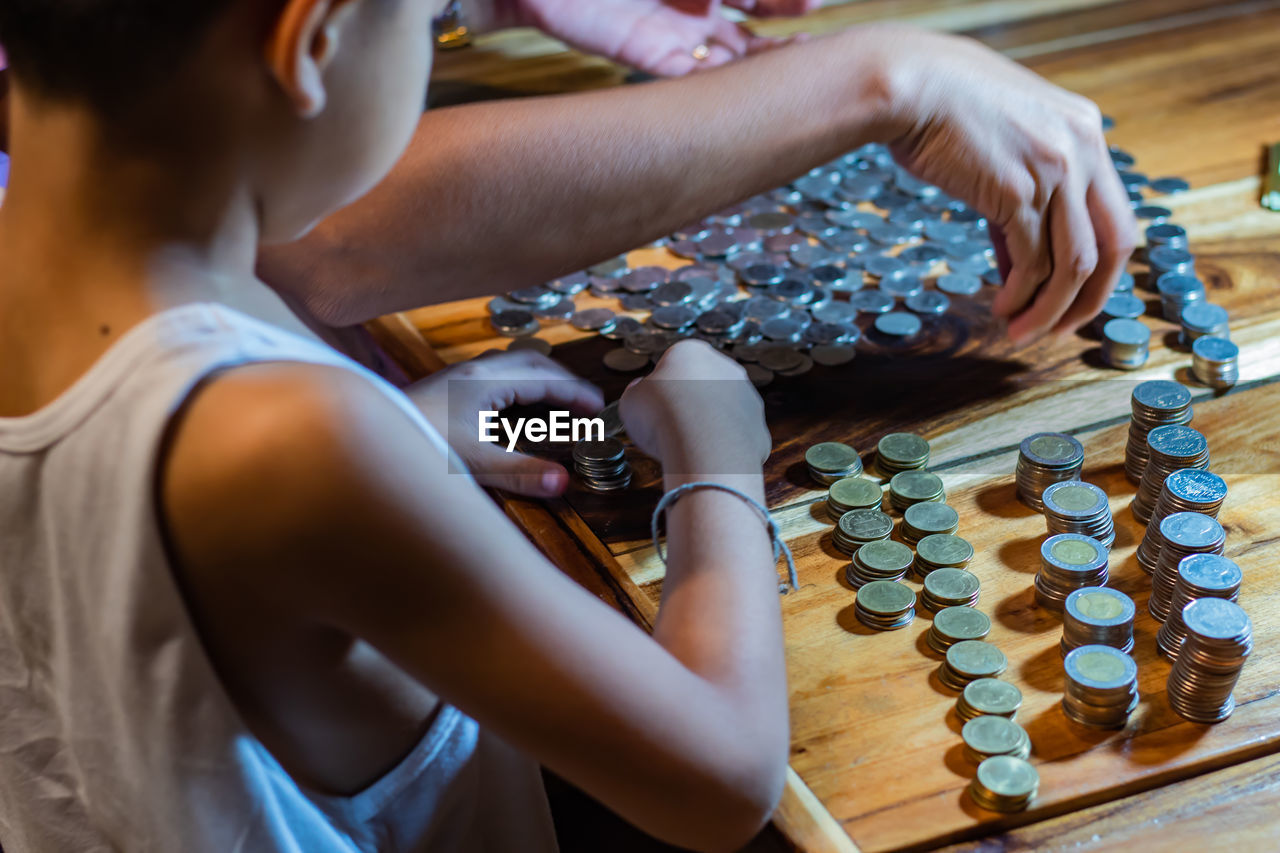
[
  {"x": 602, "y": 465},
  {"x": 1219, "y": 638},
  {"x": 1102, "y": 686},
  {"x": 1184, "y": 534},
  {"x": 1068, "y": 561},
  {"x": 1199, "y": 576},
  {"x": 1155, "y": 404},
  {"x": 1043, "y": 459},
  {"x": 1097, "y": 615},
  {"x": 1185, "y": 490}
]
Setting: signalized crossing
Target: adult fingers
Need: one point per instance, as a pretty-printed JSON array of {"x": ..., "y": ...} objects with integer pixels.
[
  {"x": 515, "y": 472},
  {"x": 1027, "y": 244},
  {"x": 1075, "y": 257},
  {"x": 1115, "y": 229}
]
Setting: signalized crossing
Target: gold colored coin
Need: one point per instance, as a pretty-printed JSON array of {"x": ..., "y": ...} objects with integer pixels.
[
  {"x": 1075, "y": 552},
  {"x": 1100, "y": 606},
  {"x": 831, "y": 457}
]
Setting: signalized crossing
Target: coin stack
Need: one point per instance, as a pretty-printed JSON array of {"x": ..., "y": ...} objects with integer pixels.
[
  {"x": 1184, "y": 534},
  {"x": 1077, "y": 507},
  {"x": 1004, "y": 783},
  {"x": 1097, "y": 616},
  {"x": 602, "y": 465},
  {"x": 949, "y": 588},
  {"x": 1126, "y": 344},
  {"x": 1199, "y": 576},
  {"x": 1155, "y": 404},
  {"x": 1177, "y": 292},
  {"x": 988, "y": 735},
  {"x": 1168, "y": 449},
  {"x": 885, "y": 605},
  {"x": 907, "y": 488},
  {"x": 1219, "y": 638},
  {"x": 1102, "y": 687},
  {"x": 882, "y": 560},
  {"x": 1204, "y": 319},
  {"x": 858, "y": 527},
  {"x": 941, "y": 551},
  {"x": 831, "y": 461},
  {"x": 901, "y": 451},
  {"x": 988, "y": 697},
  {"x": 1215, "y": 362},
  {"x": 1043, "y": 459},
  {"x": 1068, "y": 561},
  {"x": 850, "y": 493},
  {"x": 970, "y": 659},
  {"x": 1185, "y": 490},
  {"x": 953, "y": 625},
  {"x": 926, "y": 519}
]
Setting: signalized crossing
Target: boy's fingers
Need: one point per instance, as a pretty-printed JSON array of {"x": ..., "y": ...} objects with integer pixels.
[{"x": 517, "y": 473}]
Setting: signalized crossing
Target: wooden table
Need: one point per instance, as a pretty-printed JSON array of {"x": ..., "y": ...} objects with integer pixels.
[{"x": 1195, "y": 89}]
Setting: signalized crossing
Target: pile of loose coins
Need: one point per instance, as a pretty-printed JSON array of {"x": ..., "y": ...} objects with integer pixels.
[
  {"x": 1219, "y": 636},
  {"x": 831, "y": 461},
  {"x": 1097, "y": 616},
  {"x": 1044, "y": 459},
  {"x": 1185, "y": 490},
  {"x": 1102, "y": 686},
  {"x": 1078, "y": 507},
  {"x": 1155, "y": 404},
  {"x": 1069, "y": 561},
  {"x": 1169, "y": 448},
  {"x": 602, "y": 465},
  {"x": 1182, "y": 534},
  {"x": 1199, "y": 576}
]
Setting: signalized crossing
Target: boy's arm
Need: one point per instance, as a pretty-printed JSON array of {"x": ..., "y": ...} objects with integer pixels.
[{"x": 319, "y": 503}]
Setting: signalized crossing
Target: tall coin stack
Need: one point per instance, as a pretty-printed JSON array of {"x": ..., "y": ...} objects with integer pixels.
[
  {"x": 858, "y": 527},
  {"x": 1184, "y": 534},
  {"x": 949, "y": 588},
  {"x": 602, "y": 465},
  {"x": 901, "y": 451},
  {"x": 1156, "y": 403},
  {"x": 1219, "y": 638},
  {"x": 971, "y": 659},
  {"x": 926, "y": 519},
  {"x": 989, "y": 735},
  {"x": 1004, "y": 783},
  {"x": 850, "y": 493},
  {"x": 941, "y": 551},
  {"x": 1168, "y": 449},
  {"x": 907, "y": 488},
  {"x": 1043, "y": 459},
  {"x": 882, "y": 560},
  {"x": 1097, "y": 616},
  {"x": 1199, "y": 576},
  {"x": 1078, "y": 507},
  {"x": 1068, "y": 561},
  {"x": 1102, "y": 687},
  {"x": 885, "y": 605},
  {"x": 831, "y": 461},
  {"x": 953, "y": 625},
  {"x": 1185, "y": 490},
  {"x": 988, "y": 697}
]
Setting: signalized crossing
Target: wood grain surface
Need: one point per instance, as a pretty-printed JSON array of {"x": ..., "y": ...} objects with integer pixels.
[{"x": 1195, "y": 89}]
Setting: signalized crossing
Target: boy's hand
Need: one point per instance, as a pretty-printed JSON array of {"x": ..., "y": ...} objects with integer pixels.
[
  {"x": 453, "y": 398},
  {"x": 698, "y": 414}
]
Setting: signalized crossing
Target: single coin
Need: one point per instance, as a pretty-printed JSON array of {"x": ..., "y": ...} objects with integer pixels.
[
  {"x": 625, "y": 361},
  {"x": 1100, "y": 667},
  {"x": 592, "y": 319},
  {"x": 959, "y": 285},
  {"x": 898, "y": 324},
  {"x": 916, "y": 485},
  {"x": 612, "y": 420},
  {"x": 1168, "y": 186},
  {"x": 1102, "y": 605},
  {"x": 1076, "y": 551}
]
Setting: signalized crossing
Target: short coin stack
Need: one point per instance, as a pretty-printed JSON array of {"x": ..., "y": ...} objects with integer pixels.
[
  {"x": 1068, "y": 561},
  {"x": 1126, "y": 344},
  {"x": 953, "y": 625},
  {"x": 1102, "y": 687},
  {"x": 882, "y": 560},
  {"x": 1097, "y": 616},
  {"x": 1219, "y": 638},
  {"x": 926, "y": 519},
  {"x": 908, "y": 488},
  {"x": 1168, "y": 449},
  {"x": 1199, "y": 576},
  {"x": 1184, "y": 534},
  {"x": 971, "y": 659},
  {"x": 988, "y": 735},
  {"x": 1043, "y": 459},
  {"x": 949, "y": 588},
  {"x": 885, "y": 605},
  {"x": 1078, "y": 507},
  {"x": 602, "y": 465},
  {"x": 941, "y": 551},
  {"x": 988, "y": 696},
  {"x": 1201, "y": 320},
  {"x": 850, "y": 493},
  {"x": 901, "y": 451},
  {"x": 1156, "y": 403},
  {"x": 1004, "y": 783},
  {"x": 858, "y": 527},
  {"x": 1215, "y": 362},
  {"x": 1185, "y": 490},
  {"x": 831, "y": 461}
]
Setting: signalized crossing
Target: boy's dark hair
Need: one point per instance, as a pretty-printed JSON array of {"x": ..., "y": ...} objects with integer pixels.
[{"x": 106, "y": 53}]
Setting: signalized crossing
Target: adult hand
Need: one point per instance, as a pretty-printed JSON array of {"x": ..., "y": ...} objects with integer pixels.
[
  {"x": 453, "y": 398},
  {"x": 657, "y": 36},
  {"x": 1030, "y": 157}
]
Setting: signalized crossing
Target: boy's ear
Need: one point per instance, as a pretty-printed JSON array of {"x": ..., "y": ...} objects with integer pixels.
[{"x": 303, "y": 42}]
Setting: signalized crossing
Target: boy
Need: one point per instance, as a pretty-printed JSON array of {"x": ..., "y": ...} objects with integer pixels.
[{"x": 244, "y": 606}]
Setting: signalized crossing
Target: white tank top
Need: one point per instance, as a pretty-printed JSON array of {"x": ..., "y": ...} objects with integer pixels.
[{"x": 115, "y": 732}]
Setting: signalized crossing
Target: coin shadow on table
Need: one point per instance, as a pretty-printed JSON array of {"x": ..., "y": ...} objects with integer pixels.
[
  {"x": 1043, "y": 670},
  {"x": 847, "y": 619},
  {"x": 797, "y": 474},
  {"x": 922, "y": 645},
  {"x": 1173, "y": 341},
  {"x": 1002, "y": 501},
  {"x": 829, "y": 548},
  {"x": 1021, "y": 555},
  {"x": 1046, "y": 728},
  {"x": 939, "y": 687},
  {"x": 842, "y": 580},
  {"x": 955, "y": 760},
  {"x": 1019, "y": 612},
  {"x": 1093, "y": 358},
  {"x": 953, "y": 720},
  {"x": 818, "y": 511}
]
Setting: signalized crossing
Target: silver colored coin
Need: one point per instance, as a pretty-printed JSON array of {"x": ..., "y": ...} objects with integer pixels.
[
  {"x": 592, "y": 319},
  {"x": 872, "y": 301},
  {"x": 958, "y": 284},
  {"x": 1168, "y": 186},
  {"x": 625, "y": 361},
  {"x": 898, "y": 324},
  {"x": 928, "y": 302}
]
